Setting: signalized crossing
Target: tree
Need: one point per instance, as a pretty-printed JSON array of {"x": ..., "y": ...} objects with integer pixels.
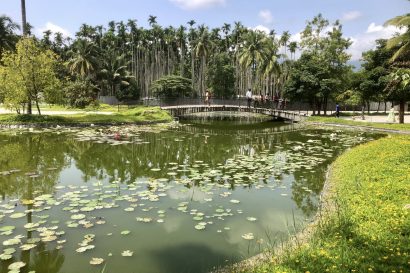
[
  {"x": 8, "y": 38},
  {"x": 398, "y": 88},
  {"x": 322, "y": 67},
  {"x": 80, "y": 93},
  {"x": 222, "y": 76},
  {"x": 172, "y": 86},
  {"x": 253, "y": 52},
  {"x": 28, "y": 74},
  {"x": 402, "y": 41},
  {"x": 83, "y": 60}
]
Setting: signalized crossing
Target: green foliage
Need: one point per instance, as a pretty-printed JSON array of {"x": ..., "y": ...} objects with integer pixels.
[
  {"x": 222, "y": 76},
  {"x": 80, "y": 93},
  {"x": 137, "y": 115},
  {"x": 399, "y": 85},
  {"x": 28, "y": 74},
  {"x": 172, "y": 86},
  {"x": 333, "y": 120},
  {"x": 368, "y": 230},
  {"x": 321, "y": 71},
  {"x": 400, "y": 41}
]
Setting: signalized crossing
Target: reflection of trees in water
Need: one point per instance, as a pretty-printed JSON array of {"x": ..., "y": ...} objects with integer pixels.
[
  {"x": 212, "y": 145},
  {"x": 31, "y": 153},
  {"x": 131, "y": 161},
  {"x": 40, "y": 259}
]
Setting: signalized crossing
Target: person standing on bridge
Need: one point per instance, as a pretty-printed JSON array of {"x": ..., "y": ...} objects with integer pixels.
[
  {"x": 208, "y": 97},
  {"x": 249, "y": 97}
]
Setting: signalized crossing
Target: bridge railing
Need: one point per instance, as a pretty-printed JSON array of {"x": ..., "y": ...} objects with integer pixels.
[{"x": 242, "y": 102}]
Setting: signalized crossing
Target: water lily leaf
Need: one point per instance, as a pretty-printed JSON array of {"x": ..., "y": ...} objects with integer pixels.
[
  {"x": 77, "y": 216},
  {"x": 7, "y": 228},
  {"x": 5, "y": 256},
  {"x": 251, "y": 219},
  {"x": 17, "y": 215},
  {"x": 127, "y": 253},
  {"x": 248, "y": 236},
  {"x": 96, "y": 261},
  {"x": 16, "y": 266},
  {"x": 125, "y": 232},
  {"x": 27, "y": 247}
]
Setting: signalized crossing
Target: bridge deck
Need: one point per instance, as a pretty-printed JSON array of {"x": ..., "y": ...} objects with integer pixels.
[{"x": 182, "y": 110}]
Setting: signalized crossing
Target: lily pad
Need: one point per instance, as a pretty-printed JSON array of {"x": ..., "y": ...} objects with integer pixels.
[
  {"x": 127, "y": 253},
  {"x": 96, "y": 261}
]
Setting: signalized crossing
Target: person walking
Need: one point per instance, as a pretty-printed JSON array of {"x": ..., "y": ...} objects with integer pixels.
[
  {"x": 337, "y": 110},
  {"x": 207, "y": 98},
  {"x": 249, "y": 97}
]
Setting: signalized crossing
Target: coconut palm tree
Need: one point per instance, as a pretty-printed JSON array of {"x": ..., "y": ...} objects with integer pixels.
[
  {"x": 253, "y": 52},
  {"x": 402, "y": 41},
  {"x": 83, "y": 59},
  {"x": 114, "y": 72},
  {"x": 203, "y": 48}
]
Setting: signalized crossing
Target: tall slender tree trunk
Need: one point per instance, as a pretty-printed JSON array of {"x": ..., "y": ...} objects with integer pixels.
[
  {"x": 24, "y": 22},
  {"x": 401, "y": 111}
]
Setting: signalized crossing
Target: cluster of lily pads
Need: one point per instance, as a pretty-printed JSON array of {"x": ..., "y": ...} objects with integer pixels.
[{"x": 82, "y": 205}]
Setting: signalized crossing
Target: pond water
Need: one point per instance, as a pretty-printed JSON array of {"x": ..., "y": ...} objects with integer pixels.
[{"x": 169, "y": 198}]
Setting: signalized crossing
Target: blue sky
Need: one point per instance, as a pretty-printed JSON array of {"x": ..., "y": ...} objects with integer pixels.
[{"x": 362, "y": 19}]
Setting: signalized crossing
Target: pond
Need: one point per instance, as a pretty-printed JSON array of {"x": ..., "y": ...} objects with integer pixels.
[{"x": 184, "y": 197}]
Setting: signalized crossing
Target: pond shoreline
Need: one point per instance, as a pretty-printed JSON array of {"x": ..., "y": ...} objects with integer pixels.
[
  {"x": 326, "y": 207},
  {"x": 76, "y": 124}
]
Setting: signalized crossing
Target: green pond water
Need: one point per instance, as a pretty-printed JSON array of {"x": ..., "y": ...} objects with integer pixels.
[{"x": 169, "y": 198}]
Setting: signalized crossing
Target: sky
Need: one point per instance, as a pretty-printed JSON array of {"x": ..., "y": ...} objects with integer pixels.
[{"x": 362, "y": 19}]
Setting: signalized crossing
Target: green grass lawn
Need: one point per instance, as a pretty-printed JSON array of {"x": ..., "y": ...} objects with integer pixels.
[
  {"x": 136, "y": 115},
  {"x": 99, "y": 108},
  {"x": 368, "y": 229},
  {"x": 391, "y": 126}
]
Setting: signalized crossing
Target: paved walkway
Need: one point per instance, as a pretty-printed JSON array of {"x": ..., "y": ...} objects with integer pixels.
[{"x": 376, "y": 118}]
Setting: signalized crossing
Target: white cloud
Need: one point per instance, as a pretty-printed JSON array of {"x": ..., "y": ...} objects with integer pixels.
[
  {"x": 351, "y": 15},
  {"x": 198, "y": 4},
  {"x": 262, "y": 29},
  {"x": 266, "y": 16},
  {"x": 53, "y": 28},
  {"x": 367, "y": 40}
]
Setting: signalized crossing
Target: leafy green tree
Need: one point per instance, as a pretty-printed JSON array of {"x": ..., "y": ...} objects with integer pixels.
[
  {"x": 80, "y": 93},
  {"x": 83, "y": 61},
  {"x": 172, "y": 86},
  {"x": 323, "y": 65},
  {"x": 28, "y": 75},
  {"x": 222, "y": 76}
]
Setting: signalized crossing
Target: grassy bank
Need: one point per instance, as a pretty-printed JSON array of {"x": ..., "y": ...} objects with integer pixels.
[
  {"x": 388, "y": 126},
  {"x": 368, "y": 227},
  {"x": 136, "y": 115}
]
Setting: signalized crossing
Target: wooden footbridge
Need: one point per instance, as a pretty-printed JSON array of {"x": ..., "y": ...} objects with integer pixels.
[{"x": 183, "y": 110}]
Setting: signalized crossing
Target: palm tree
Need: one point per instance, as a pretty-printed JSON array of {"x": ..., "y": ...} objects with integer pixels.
[
  {"x": 114, "y": 72},
  {"x": 284, "y": 39},
  {"x": 401, "y": 41},
  {"x": 202, "y": 50},
  {"x": 152, "y": 20},
  {"x": 293, "y": 46},
  {"x": 83, "y": 58},
  {"x": 23, "y": 17},
  {"x": 270, "y": 67},
  {"x": 253, "y": 52},
  {"x": 7, "y": 36}
]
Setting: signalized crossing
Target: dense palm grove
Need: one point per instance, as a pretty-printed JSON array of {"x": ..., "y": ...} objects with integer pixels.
[{"x": 130, "y": 62}]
